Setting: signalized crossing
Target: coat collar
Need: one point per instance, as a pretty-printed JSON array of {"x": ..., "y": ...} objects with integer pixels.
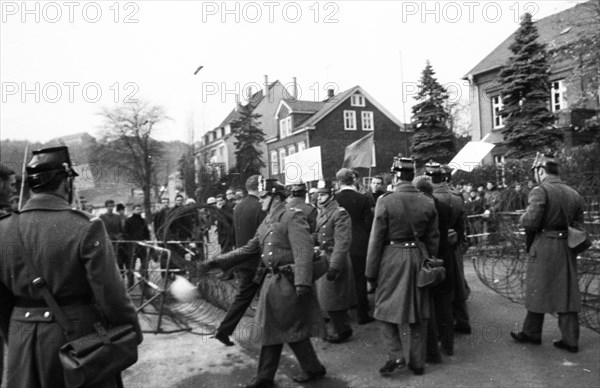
[
  {"x": 44, "y": 201},
  {"x": 326, "y": 213},
  {"x": 552, "y": 179},
  {"x": 405, "y": 187},
  {"x": 277, "y": 212},
  {"x": 295, "y": 201}
]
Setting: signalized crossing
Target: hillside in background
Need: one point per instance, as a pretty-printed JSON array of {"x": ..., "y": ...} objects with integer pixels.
[{"x": 98, "y": 178}]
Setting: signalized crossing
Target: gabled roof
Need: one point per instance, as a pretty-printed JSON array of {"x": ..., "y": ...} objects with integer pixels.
[
  {"x": 299, "y": 106},
  {"x": 554, "y": 31},
  {"x": 332, "y": 103}
]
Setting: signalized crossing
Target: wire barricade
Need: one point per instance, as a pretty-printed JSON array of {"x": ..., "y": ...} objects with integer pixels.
[{"x": 497, "y": 249}]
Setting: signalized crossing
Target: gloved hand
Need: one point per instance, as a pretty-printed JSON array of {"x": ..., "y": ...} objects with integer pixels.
[
  {"x": 302, "y": 290},
  {"x": 333, "y": 274},
  {"x": 372, "y": 282},
  {"x": 203, "y": 268}
]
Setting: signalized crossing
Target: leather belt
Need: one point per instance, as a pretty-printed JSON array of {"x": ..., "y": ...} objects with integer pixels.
[
  {"x": 555, "y": 229},
  {"x": 404, "y": 244},
  {"x": 72, "y": 300}
]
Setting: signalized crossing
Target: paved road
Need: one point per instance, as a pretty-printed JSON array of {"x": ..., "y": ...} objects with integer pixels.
[{"x": 486, "y": 358}]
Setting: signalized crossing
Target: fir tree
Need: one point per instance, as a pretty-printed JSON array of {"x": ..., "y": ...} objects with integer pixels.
[
  {"x": 248, "y": 157},
  {"x": 432, "y": 137},
  {"x": 525, "y": 90}
]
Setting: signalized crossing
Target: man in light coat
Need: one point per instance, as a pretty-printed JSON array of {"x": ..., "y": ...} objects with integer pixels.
[
  {"x": 393, "y": 263},
  {"x": 551, "y": 281},
  {"x": 333, "y": 235}
]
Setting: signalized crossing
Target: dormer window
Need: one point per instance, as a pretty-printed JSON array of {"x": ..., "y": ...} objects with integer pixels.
[
  {"x": 357, "y": 100},
  {"x": 285, "y": 127}
]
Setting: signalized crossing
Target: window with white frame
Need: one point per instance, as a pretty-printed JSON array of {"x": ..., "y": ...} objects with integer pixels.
[
  {"x": 274, "y": 163},
  {"x": 558, "y": 96},
  {"x": 357, "y": 100},
  {"x": 367, "y": 121},
  {"x": 285, "y": 127},
  {"x": 282, "y": 160},
  {"x": 291, "y": 150},
  {"x": 301, "y": 146},
  {"x": 350, "y": 120},
  {"x": 496, "y": 108}
]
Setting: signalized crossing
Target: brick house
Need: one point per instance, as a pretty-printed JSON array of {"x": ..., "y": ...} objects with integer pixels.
[
  {"x": 216, "y": 149},
  {"x": 333, "y": 124},
  {"x": 557, "y": 31}
]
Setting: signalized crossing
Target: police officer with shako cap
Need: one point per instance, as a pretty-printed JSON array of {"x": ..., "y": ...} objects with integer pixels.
[
  {"x": 551, "y": 284},
  {"x": 333, "y": 235},
  {"x": 456, "y": 234},
  {"x": 288, "y": 310},
  {"x": 393, "y": 262},
  {"x": 72, "y": 254},
  {"x": 297, "y": 200}
]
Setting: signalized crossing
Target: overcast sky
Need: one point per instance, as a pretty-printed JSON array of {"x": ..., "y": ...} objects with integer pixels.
[{"x": 62, "y": 62}]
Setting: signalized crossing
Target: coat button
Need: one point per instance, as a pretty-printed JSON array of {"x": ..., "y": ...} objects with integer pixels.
[
  {"x": 270, "y": 253},
  {"x": 262, "y": 255},
  {"x": 27, "y": 314},
  {"x": 47, "y": 314},
  {"x": 270, "y": 244}
]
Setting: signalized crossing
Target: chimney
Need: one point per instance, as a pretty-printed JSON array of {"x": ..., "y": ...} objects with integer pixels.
[
  {"x": 330, "y": 93},
  {"x": 266, "y": 90},
  {"x": 249, "y": 93},
  {"x": 237, "y": 103},
  {"x": 294, "y": 88}
]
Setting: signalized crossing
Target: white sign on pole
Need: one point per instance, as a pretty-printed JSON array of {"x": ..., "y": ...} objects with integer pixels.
[
  {"x": 304, "y": 166},
  {"x": 471, "y": 155}
]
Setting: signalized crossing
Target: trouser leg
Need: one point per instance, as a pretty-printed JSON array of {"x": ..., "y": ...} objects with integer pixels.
[
  {"x": 418, "y": 344},
  {"x": 533, "y": 325},
  {"x": 433, "y": 350},
  {"x": 568, "y": 323},
  {"x": 242, "y": 301},
  {"x": 268, "y": 361},
  {"x": 339, "y": 321},
  {"x": 390, "y": 333},
  {"x": 360, "y": 283},
  {"x": 306, "y": 356},
  {"x": 445, "y": 321}
]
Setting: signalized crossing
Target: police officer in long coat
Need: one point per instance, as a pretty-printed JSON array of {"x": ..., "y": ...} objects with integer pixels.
[
  {"x": 456, "y": 276},
  {"x": 333, "y": 235},
  {"x": 551, "y": 281},
  {"x": 393, "y": 262},
  {"x": 288, "y": 310},
  {"x": 7, "y": 189},
  {"x": 73, "y": 254}
]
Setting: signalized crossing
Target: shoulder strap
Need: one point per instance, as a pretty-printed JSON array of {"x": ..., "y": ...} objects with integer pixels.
[
  {"x": 412, "y": 228},
  {"x": 562, "y": 205},
  {"x": 39, "y": 283}
]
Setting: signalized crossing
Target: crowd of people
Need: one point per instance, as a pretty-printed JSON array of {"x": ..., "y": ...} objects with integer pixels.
[{"x": 310, "y": 256}]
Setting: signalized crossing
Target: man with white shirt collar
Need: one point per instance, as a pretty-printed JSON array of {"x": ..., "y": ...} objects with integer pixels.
[{"x": 359, "y": 208}]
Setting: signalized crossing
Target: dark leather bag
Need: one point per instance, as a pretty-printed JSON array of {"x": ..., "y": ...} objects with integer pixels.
[
  {"x": 98, "y": 356},
  {"x": 432, "y": 271}
]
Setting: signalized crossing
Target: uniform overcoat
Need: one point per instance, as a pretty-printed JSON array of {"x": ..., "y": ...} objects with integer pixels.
[
  {"x": 283, "y": 240},
  {"x": 308, "y": 209},
  {"x": 551, "y": 284},
  {"x": 397, "y": 297},
  {"x": 334, "y": 235},
  {"x": 72, "y": 252},
  {"x": 455, "y": 274}
]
